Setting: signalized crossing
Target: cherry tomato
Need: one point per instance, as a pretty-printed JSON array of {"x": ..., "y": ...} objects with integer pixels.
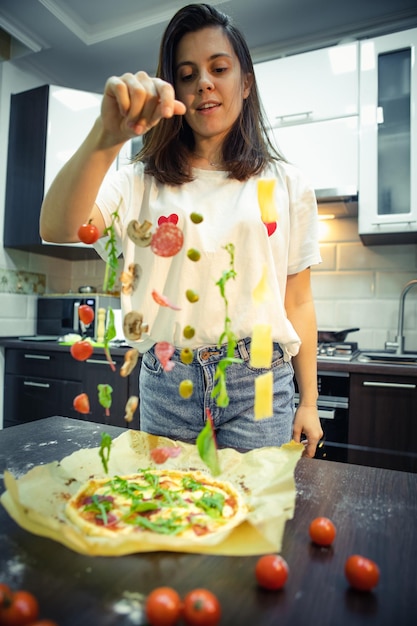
[
  {"x": 86, "y": 314},
  {"x": 5, "y": 592},
  {"x": 201, "y": 608},
  {"x": 81, "y": 403},
  {"x": 271, "y": 571},
  {"x": 88, "y": 233},
  {"x": 18, "y": 608},
  {"x": 163, "y": 607},
  {"x": 362, "y": 573},
  {"x": 81, "y": 350},
  {"x": 322, "y": 531}
]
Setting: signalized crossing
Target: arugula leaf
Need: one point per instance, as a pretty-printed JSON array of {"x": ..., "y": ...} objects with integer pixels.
[
  {"x": 104, "y": 397},
  {"x": 207, "y": 446},
  {"x": 212, "y": 503},
  {"x": 112, "y": 258},
  {"x": 104, "y": 450},
  {"x": 220, "y": 390},
  {"x": 109, "y": 334},
  {"x": 100, "y": 505}
]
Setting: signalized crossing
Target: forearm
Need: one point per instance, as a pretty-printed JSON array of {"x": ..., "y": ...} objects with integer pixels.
[
  {"x": 70, "y": 199},
  {"x": 305, "y": 363}
]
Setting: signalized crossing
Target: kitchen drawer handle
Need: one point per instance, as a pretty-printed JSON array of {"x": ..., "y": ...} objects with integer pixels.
[
  {"x": 390, "y": 223},
  {"x": 326, "y": 414},
  {"x": 30, "y": 383},
  {"x": 374, "y": 383},
  {"x": 40, "y": 357},
  {"x": 287, "y": 116},
  {"x": 99, "y": 361}
]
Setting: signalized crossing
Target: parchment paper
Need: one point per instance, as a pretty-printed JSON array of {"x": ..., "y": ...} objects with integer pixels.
[{"x": 265, "y": 478}]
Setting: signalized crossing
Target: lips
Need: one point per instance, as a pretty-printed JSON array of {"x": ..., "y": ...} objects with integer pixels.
[{"x": 207, "y": 106}]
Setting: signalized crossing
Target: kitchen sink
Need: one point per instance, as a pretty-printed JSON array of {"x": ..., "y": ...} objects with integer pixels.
[{"x": 385, "y": 356}]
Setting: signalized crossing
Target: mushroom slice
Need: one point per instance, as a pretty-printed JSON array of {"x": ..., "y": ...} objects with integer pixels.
[
  {"x": 140, "y": 233},
  {"x": 133, "y": 326},
  {"x": 130, "y": 278},
  {"x": 130, "y": 360},
  {"x": 130, "y": 408}
]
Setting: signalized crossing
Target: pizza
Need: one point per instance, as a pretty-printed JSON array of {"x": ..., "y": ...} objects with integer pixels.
[{"x": 185, "y": 504}]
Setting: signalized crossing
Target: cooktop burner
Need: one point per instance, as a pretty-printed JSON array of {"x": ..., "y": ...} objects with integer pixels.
[{"x": 341, "y": 351}]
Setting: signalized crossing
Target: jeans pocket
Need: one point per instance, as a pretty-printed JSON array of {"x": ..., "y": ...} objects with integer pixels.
[{"x": 151, "y": 363}]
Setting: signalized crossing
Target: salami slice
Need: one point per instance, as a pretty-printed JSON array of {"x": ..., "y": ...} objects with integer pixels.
[{"x": 167, "y": 240}]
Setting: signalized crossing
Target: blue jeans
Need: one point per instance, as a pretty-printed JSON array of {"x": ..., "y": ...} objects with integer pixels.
[{"x": 164, "y": 412}]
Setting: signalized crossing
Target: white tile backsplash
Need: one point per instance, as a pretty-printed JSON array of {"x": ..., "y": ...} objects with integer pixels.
[{"x": 360, "y": 286}]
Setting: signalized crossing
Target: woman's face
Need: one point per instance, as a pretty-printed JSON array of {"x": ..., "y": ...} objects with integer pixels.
[{"x": 209, "y": 81}]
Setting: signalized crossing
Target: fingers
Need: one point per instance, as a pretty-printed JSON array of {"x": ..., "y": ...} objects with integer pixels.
[{"x": 142, "y": 101}]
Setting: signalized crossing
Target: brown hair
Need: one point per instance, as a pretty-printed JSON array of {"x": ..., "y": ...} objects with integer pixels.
[{"x": 166, "y": 147}]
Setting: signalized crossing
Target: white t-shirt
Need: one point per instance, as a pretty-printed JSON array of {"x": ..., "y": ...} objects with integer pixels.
[{"x": 231, "y": 214}]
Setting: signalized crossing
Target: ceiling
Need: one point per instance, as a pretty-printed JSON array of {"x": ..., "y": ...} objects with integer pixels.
[{"x": 79, "y": 43}]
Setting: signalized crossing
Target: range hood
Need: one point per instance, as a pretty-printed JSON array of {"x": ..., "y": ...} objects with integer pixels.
[{"x": 337, "y": 203}]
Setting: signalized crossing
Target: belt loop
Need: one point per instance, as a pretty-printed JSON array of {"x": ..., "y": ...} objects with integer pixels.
[{"x": 243, "y": 348}]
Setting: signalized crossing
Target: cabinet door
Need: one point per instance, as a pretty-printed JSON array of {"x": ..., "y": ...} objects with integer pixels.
[
  {"x": 388, "y": 147},
  {"x": 382, "y": 421},
  {"x": 311, "y": 86},
  {"x": 326, "y": 152},
  {"x": 46, "y": 125},
  {"x": 99, "y": 372},
  {"x": 28, "y": 398}
]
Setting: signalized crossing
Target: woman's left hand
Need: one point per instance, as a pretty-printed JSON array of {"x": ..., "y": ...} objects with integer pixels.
[{"x": 307, "y": 422}]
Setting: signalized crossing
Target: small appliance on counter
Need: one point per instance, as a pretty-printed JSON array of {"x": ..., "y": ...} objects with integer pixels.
[{"x": 58, "y": 314}]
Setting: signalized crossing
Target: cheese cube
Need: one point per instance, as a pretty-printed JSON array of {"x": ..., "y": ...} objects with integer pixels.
[
  {"x": 263, "y": 396},
  {"x": 261, "y": 346},
  {"x": 266, "y": 189}
]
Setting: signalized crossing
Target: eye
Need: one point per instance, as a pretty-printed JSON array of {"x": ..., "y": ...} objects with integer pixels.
[{"x": 220, "y": 70}]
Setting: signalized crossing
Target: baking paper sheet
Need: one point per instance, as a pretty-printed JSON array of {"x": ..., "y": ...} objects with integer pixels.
[{"x": 265, "y": 478}]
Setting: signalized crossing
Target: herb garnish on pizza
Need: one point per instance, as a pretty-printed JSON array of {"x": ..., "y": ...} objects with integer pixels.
[{"x": 186, "y": 504}]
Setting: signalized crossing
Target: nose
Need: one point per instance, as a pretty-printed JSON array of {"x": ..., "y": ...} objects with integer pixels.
[{"x": 205, "y": 83}]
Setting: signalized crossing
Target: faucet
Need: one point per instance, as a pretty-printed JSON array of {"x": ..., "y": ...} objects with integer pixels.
[{"x": 398, "y": 344}]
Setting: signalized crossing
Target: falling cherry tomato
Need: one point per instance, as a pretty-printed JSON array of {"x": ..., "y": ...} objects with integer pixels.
[
  {"x": 201, "y": 608},
  {"x": 81, "y": 350},
  {"x": 163, "y": 607},
  {"x": 88, "y": 233},
  {"x": 86, "y": 314},
  {"x": 322, "y": 531},
  {"x": 81, "y": 403},
  {"x": 361, "y": 573},
  {"x": 271, "y": 571},
  {"x": 17, "y": 607}
]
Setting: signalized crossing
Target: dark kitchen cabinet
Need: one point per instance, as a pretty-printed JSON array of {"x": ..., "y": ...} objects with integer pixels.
[
  {"x": 43, "y": 132},
  {"x": 382, "y": 421},
  {"x": 42, "y": 382}
]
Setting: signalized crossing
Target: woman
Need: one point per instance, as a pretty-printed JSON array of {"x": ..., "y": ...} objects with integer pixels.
[{"x": 204, "y": 150}]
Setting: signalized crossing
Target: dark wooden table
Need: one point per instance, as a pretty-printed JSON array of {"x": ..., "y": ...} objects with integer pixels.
[{"x": 374, "y": 510}]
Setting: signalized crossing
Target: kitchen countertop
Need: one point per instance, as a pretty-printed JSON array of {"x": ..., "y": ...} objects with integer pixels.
[
  {"x": 324, "y": 366},
  {"x": 374, "y": 510}
]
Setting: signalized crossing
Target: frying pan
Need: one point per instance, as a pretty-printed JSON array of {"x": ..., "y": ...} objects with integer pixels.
[{"x": 330, "y": 336}]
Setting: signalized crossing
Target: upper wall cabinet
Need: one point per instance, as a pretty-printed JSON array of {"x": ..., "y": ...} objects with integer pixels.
[
  {"x": 47, "y": 125},
  {"x": 388, "y": 145},
  {"x": 311, "y": 101}
]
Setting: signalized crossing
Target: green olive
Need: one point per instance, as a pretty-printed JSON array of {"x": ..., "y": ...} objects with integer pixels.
[
  {"x": 186, "y": 356},
  {"x": 196, "y": 218},
  {"x": 188, "y": 332},
  {"x": 193, "y": 254},
  {"x": 186, "y": 388},
  {"x": 192, "y": 296}
]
